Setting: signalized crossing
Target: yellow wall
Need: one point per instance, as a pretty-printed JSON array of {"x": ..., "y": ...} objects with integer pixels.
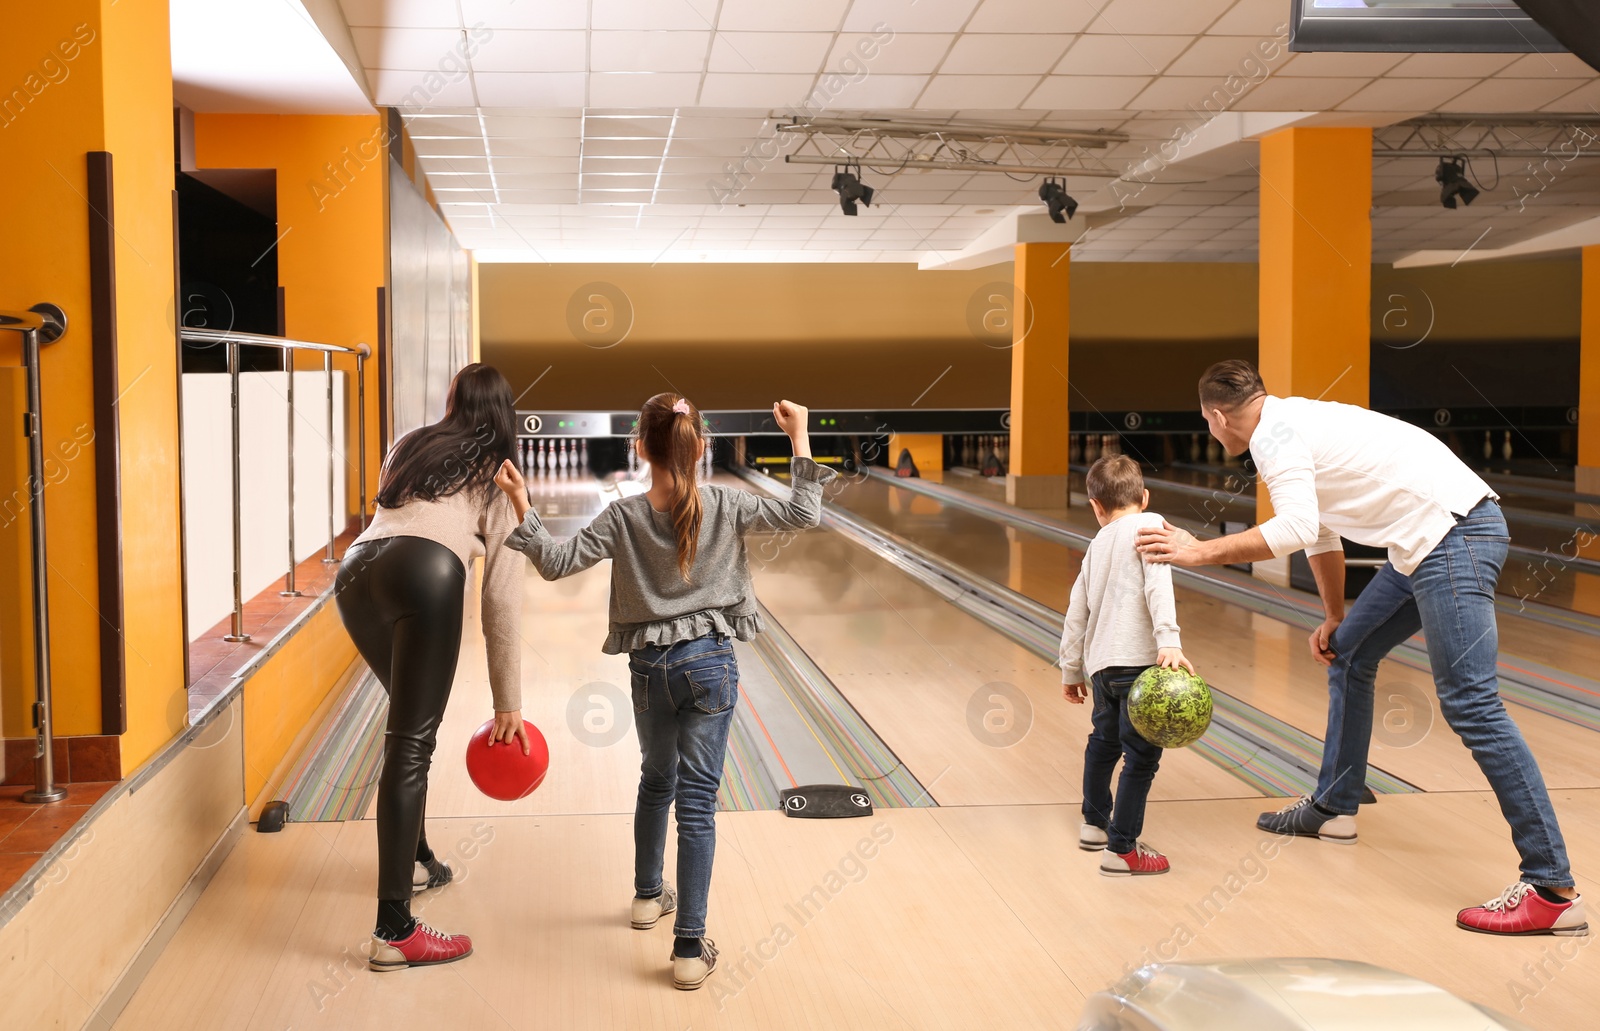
[
  {"x": 868, "y": 336},
  {"x": 94, "y": 75},
  {"x": 332, "y": 175}
]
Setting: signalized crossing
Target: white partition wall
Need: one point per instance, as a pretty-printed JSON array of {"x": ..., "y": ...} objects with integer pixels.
[{"x": 264, "y": 487}]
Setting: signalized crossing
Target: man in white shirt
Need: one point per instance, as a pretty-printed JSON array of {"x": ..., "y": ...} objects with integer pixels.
[{"x": 1336, "y": 470}]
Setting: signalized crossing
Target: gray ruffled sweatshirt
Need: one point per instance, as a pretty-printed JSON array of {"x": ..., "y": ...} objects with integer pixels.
[{"x": 651, "y": 603}]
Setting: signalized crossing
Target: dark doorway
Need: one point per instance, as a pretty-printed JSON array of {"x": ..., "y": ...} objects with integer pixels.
[{"x": 228, "y": 263}]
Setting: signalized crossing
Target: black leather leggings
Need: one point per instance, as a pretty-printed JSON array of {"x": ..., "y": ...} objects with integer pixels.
[{"x": 401, "y": 601}]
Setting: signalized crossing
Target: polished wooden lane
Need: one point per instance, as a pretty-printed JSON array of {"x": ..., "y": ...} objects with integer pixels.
[{"x": 1258, "y": 659}]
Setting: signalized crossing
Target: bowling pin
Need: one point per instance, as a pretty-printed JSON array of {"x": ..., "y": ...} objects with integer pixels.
[
  {"x": 1194, "y": 447},
  {"x": 1488, "y": 447},
  {"x": 1091, "y": 449},
  {"x": 1075, "y": 450},
  {"x": 1213, "y": 450},
  {"x": 1505, "y": 449}
]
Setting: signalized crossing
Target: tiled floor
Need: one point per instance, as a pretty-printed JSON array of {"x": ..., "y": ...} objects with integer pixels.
[
  {"x": 27, "y": 831},
  {"x": 213, "y": 662}
]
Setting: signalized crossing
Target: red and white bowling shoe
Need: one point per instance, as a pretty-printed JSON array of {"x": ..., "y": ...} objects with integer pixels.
[
  {"x": 422, "y": 947},
  {"x": 1142, "y": 861},
  {"x": 1520, "y": 910}
]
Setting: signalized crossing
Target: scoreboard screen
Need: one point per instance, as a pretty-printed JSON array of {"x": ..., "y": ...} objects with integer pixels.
[{"x": 1417, "y": 26}]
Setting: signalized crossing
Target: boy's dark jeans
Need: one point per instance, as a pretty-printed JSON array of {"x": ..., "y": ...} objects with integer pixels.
[{"x": 1112, "y": 737}]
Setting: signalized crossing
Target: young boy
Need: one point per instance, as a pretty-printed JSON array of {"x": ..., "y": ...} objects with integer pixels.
[{"x": 1121, "y": 620}]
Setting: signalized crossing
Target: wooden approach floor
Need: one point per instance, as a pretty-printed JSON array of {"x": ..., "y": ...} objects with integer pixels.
[{"x": 980, "y": 913}]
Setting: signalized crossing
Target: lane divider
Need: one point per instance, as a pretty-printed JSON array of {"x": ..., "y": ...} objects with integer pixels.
[
  {"x": 1269, "y": 755},
  {"x": 1530, "y": 684}
]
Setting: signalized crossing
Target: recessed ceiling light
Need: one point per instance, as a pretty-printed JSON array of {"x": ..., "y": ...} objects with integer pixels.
[{"x": 984, "y": 211}]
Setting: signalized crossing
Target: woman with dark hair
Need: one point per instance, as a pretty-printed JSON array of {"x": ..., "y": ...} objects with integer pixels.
[
  {"x": 401, "y": 593},
  {"x": 680, "y": 595}
]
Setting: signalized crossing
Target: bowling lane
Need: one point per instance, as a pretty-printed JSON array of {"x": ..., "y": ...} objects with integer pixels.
[
  {"x": 977, "y": 718},
  {"x": 1534, "y": 598},
  {"x": 1258, "y": 659}
]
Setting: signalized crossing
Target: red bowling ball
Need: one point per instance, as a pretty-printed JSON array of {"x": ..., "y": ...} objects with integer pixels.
[{"x": 500, "y": 770}]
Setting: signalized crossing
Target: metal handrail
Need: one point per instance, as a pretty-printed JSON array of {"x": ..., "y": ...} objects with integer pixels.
[
  {"x": 233, "y": 336},
  {"x": 43, "y": 324},
  {"x": 233, "y": 340}
]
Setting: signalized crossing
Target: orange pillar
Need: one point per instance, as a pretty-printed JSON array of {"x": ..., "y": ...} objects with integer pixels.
[
  {"x": 1038, "y": 473},
  {"x": 1588, "y": 479},
  {"x": 1316, "y": 267},
  {"x": 82, "y": 77}
]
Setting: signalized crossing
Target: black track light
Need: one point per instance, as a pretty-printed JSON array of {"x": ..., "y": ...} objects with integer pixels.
[
  {"x": 1451, "y": 175},
  {"x": 850, "y": 189},
  {"x": 1054, "y": 194}
]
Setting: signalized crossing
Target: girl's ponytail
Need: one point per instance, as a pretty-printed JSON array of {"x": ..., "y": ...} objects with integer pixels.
[{"x": 669, "y": 427}]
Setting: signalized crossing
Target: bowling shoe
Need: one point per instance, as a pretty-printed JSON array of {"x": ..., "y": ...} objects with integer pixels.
[
  {"x": 431, "y": 875},
  {"x": 1306, "y": 820},
  {"x": 1143, "y": 861},
  {"x": 1520, "y": 910},
  {"x": 1091, "y": 838},
  {"x": 647, "y": 911},
  {"x": 421, "y": 948},
  {"x": 690, "y": 972}
]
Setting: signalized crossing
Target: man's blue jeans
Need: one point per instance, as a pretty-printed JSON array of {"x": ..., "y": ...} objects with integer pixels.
[
  {"x": 683, "y": 699},
  {"x": 1450, "y": 598}
]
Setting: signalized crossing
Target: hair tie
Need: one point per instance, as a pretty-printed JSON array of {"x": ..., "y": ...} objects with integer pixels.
[{"x": 681, "y": 406}]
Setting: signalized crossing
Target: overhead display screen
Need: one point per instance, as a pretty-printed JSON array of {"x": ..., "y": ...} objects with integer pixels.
[{"x": 1419, "y": 26}]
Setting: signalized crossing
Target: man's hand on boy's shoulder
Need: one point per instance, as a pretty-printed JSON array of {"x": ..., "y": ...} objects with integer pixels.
[{"x": 1073, "y": 693}]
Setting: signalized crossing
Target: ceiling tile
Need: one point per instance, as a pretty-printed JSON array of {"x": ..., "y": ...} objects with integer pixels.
[
  {"x": 1406, "y": 94},
  {"x": 766, "y": 16},
  {"x": 1148, "y": 17},
  {"x": 436, "y": 14},
  {"x": 1086, "y": 92},
  {"x": 881, "y": 92},
  {"x": 959, "y": 91},
  {"x": 627, "y": 51},
  {"x": 1439, "y": 66},
  {"x": 1585, "y": 99},
  {"x": 1020, "y": 54},
  {"x": 1509, "y": 95},
  {"x": 1121, "y": 55},
  {"x": 407, "y": 48},
  {"x": 413, "y": 90},
  {"x": 521, "y": 14},
  {"x": 1548, "y": 66},
  {"x": 899, "y": 16},
  {"x": 769, "y": 51},
  {"x": 1031, "y": 16},
  {"x": 907, "y": 54},
  {"x": 752, "y": 90},
  {"x": 1222, "y": 56},
  {"x": 523, "y": 50},
  {"x": 1281, "y": 93},
  {"x": 1260, "y": 18},
  {"x": 650, "y": 14},
  {"x": 1333, "y": 66},
  {"x": 636, "y": 89},
  {"x": 531, "y": 89}
]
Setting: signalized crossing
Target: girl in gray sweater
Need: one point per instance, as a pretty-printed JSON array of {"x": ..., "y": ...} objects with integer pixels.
[{"x": 680, "y": 592}]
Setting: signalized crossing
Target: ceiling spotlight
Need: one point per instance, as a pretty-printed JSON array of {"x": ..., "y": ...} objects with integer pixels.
[
  {"x": 1054, "y": 194},
  {"x": 850, "y": 189},
  {"x": 1451, "y": 175}
]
